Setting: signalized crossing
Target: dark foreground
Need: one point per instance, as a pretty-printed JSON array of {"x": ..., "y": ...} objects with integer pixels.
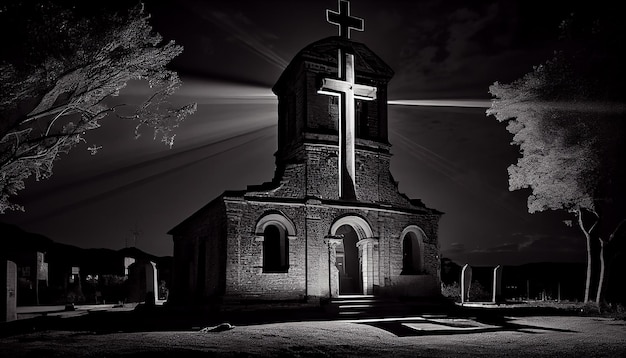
[{"x": 163, "y": 332}]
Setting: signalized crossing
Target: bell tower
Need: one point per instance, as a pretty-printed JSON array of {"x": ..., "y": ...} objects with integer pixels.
[{"x": 332, "y": 115}]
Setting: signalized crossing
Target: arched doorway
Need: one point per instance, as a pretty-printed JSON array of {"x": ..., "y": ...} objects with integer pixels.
[
  {"x": 353, "y": 257},
  {"x": 350, "y": 281}
]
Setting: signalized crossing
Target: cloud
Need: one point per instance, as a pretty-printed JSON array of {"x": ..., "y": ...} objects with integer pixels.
[{"x": 464, "y": 50}]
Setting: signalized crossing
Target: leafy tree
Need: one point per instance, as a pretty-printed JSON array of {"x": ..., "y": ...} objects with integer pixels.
[
  {"x": 60, "y": 62},
  {"x": 567, "y": 117}
]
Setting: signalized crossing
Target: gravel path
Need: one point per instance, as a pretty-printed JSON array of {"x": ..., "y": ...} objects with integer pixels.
[{"x": 536, "y": 336}]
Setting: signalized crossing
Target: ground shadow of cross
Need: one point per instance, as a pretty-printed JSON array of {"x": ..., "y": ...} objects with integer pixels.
[{"x": 454, "y": 326}]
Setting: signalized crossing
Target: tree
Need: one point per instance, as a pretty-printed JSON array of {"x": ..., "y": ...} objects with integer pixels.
[
  {"x": 567, "y": 117},
  {"x": 59, "y": 64}
]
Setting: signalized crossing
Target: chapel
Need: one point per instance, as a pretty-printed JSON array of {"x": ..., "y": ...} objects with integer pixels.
[{"x": 332, "y": 221}]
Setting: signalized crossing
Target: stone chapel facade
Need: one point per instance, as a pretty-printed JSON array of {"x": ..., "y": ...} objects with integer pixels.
[{"x": 331, "y": 221}]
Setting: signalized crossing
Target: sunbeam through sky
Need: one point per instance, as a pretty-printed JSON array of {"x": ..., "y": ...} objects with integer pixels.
[{"x": 446, "y": 151}]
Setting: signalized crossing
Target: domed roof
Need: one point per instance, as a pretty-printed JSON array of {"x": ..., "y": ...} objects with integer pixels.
[{"x": 325, "y": 52}]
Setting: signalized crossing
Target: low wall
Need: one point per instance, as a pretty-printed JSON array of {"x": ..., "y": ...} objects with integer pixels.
[{"x": 411, "y": 286}]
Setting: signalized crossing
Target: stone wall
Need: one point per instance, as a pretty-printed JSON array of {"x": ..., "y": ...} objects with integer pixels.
[
  {"x": 199, "y": 255},
  {"x": 313, "y": 172},
  {"x": 305, "y": 189},
  {"x": 322, "y": 171},
  {"x": 368, "y": 167},
  {"x": 308, "y": 274},
  {"x": 244, "y": 266},
  {"x": 411, "y": 286}
]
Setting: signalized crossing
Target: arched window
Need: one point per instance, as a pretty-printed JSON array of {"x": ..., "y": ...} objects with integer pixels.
[
  {"x": 275, "y": 230},
  {"x": 275, "y": 249},
  {"x": 412, "y": 251},
  {"x": 362, "y": 125}
]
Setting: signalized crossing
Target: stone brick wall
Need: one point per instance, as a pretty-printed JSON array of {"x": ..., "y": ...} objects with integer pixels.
[
  {"x": 240, "y": 275},
  {"x": 244, "y": 268},
  {"x": 314, "y": 167},
  {"x": 429, "y": 280},
  {"x": 201, "y": 237},
  {"x": 289, "y": 182},
  {"x": 305, "y": 190},
  {"x": 322, "y": 174},
  {"x": 322, "y": 110},
  {"x": 308, "y": 274},
  {"x": 368, "y": 167},
  {"x": 318, "y": 268}
]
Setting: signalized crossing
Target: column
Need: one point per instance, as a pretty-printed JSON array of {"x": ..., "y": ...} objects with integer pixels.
[
  {"x": 333, "y": 273},
  {"x": 315, "y": 256},
  {"x": 368, "y": 254}
]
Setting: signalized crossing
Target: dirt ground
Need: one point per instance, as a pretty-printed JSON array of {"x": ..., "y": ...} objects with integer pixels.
[{"x": 418, "y": 336}]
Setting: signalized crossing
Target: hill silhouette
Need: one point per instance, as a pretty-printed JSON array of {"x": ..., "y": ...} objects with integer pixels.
[{"x": 14, "y": 240}]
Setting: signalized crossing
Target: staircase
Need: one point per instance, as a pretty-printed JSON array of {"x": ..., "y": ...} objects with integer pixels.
[{"x": 367, "y": 306}]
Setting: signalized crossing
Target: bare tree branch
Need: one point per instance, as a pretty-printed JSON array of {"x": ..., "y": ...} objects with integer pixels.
[{"x": 48, "y": 104}]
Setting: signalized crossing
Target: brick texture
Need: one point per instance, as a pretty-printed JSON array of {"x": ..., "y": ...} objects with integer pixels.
[{"x": 218, "y": 253}]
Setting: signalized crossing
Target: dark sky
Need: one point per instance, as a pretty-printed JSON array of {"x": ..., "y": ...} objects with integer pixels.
[{"x": 452, "y": 157}]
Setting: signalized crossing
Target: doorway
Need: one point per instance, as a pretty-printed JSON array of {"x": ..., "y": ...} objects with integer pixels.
[{"x": 348, "y": 262}]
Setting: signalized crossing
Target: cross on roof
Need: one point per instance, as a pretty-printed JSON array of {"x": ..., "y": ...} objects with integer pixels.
[
  {"x": 344, "y": 20},
  {"x": 348, "y": 91}
]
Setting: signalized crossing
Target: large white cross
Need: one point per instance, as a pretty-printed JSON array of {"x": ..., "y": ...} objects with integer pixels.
[{"x": 348, "y": 91}]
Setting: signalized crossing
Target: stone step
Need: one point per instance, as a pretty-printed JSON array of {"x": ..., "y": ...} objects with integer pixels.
[{"x": 358, "y": 307}]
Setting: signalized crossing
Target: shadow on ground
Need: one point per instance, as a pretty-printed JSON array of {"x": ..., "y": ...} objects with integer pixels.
[
  {"x": 452, "y": 326},
  {"x": 451, "y": 319}
]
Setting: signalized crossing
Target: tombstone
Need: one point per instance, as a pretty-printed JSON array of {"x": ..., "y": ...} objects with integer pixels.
[
  {"x": 466, "y": 282},
  {"x": 42, "y": 268},
  {"x": 41, "y": 275},
  {"x": 152, "y": 284},
  {"x": 142, "y": 281},
  {"x": 74, "y": 289},
  {"x": 127, "y": 262},
  {"x": 8, "y": 273},
  {"x": 497, "y": 284}
]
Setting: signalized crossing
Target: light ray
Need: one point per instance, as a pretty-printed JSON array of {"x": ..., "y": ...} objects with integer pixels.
[
  {"x": 247, "y": 37},
  {"x": 567, "y": 106},
  {"x": 450, "y": 171},
  {"x": 209, "y": 91},
  {"x": 571, "y": 106},
  {"x": 467, "y": 103},
  {"x": 169, "y": 156},
  {"x": 251, "y": 137}
]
